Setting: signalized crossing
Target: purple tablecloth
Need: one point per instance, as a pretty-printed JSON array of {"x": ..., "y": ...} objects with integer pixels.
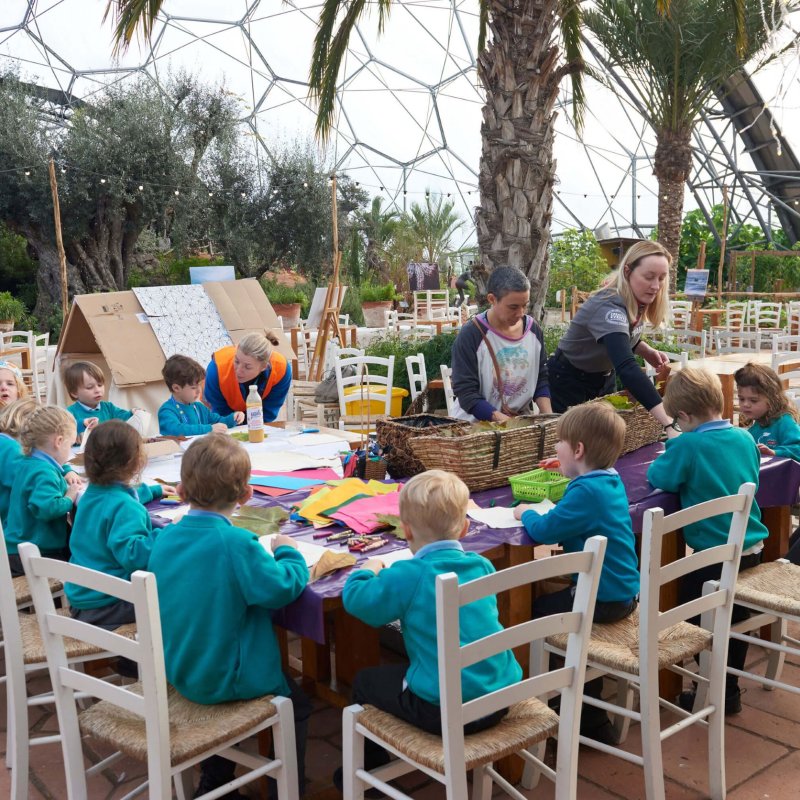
[{"x": 779, "y": 484}]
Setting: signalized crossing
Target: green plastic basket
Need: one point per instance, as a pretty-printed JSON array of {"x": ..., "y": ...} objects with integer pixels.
[{"x": 538, "y": 485}]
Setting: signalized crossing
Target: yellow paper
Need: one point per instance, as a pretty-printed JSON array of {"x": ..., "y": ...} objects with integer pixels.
[{"x": 343, "y": 491}]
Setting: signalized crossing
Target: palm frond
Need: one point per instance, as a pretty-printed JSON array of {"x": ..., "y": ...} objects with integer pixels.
[
  {"x": 483, "y": 22},
  {"x": 571, "y": 21},
  {"x": 129, "y": 16}
]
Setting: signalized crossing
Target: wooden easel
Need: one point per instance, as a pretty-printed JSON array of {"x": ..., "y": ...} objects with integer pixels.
[{"x": 329, "y": 324}]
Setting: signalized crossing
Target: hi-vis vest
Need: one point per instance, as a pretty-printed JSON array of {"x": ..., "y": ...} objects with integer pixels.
[{"x": 228, "y": 384}]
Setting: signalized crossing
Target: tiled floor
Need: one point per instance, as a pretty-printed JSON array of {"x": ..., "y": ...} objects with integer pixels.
[{"x": 763, "y": 757}]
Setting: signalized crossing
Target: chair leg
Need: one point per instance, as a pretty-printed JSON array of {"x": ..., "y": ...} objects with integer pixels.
[
  {"x": 352, "y": 754},
  {"x": 184, "y": 785},
  {"x": 775, "y": 659},
  {"x": 531, "y": 775},
  {"x": 651, "y": 739},
  {"x": 18, "y": 741},
  {"x": 481, "y": 784},
  {"x": 283, "y": 737},
  {"x": 624, "y": 700}
]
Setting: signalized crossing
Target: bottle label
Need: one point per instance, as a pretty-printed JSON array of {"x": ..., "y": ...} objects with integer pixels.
[{"x": 255, "y": 417}]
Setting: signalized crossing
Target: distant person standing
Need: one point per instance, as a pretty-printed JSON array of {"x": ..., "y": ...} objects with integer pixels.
[{"x": 461, "y": 284}]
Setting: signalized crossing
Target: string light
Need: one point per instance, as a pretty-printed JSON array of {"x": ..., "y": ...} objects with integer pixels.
[
  {"x": 27, "y": 173},
  {"x": 177, "y": 192},
  {"x": 211, "y": 194},
  {"x": 141, "y": 188},
  {"x": 102, "y": 180}
]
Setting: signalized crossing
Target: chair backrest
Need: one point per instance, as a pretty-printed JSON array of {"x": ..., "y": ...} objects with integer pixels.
[
  {"x": 737, "y": 341},
  {"x": 447, "y": 385},
  {"x": 431, "y": 304},
  {"x": 688, "y": 340},
  {"x": 793, "y": 316},
  {"x": 366, "y": 379},
  {"x": 146, "y": 650},
  {"x": 334, "y": 352},
  {"x": 736, "y": 315},
  {"x": 785, "y": 349},
  {"x": 417, "y": 374},
  {"x": 455, "y": 655},
  {"x": 762, "y": 314},
  {"x": 679, "y": 314},
  {"x": 655, "y": 575}
]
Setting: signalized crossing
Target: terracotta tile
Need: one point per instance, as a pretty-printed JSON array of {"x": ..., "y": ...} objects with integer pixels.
[{"x": 772, "y": 784}]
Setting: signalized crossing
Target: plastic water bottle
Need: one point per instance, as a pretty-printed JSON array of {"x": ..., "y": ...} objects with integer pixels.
[{"x": 255, "y": 416}]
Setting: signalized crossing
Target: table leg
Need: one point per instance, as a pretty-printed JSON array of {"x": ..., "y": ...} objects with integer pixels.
[
  {"x": 726, "y": 382},
  {"x": 295, "y": 365},
  {"x": 779, "y": 524},
  {"x": 353, "y": 332},
  {"x": 357, "y": 646}
]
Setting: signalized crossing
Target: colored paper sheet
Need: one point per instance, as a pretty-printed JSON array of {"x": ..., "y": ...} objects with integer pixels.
[
  {"x": 325, "y": 474},
  {"x": 284, "y": 482},
  {"x": 271, "y": 491},
  {"x": 362, "y": 515},
  {"x": 343, "y": 492},
  {"x": 286, "y": 461}
]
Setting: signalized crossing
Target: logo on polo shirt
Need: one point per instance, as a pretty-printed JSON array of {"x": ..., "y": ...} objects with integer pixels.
[{"x": 617, "y": 317}]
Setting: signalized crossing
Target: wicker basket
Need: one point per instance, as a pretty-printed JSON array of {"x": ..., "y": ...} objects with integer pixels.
[
  {"x": 374, "y": 469},
  {"x": 394, "y": 433},
  {"x": 641, "y": 428},
  {"x": 484, "y": 459}
]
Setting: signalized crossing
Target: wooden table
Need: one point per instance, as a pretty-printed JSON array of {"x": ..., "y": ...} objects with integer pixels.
[
  {"x": 724, "y": 367},
  {"x": 439, "y": 323},
  {"x": 24, "y": 355}
]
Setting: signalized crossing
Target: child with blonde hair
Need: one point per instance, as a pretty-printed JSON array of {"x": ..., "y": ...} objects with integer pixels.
[
  {"x": 219, "y": 644},
  {"x": 12, "y": 417},
  {"x": 433, "y": 512},
  {"x": 710, "y": 459},
  {"x": 12, "y": 386},
  {"x": 40, "y": 496},
  {"x": 85, "y": 384},
  {"x": 773, "y": 417}
]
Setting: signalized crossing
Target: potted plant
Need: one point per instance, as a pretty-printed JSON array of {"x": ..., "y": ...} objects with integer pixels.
[
  {"x": 11, "y": 310},
  {"x": 287, "y": 301},
  {"x": 376, "y": 299}
]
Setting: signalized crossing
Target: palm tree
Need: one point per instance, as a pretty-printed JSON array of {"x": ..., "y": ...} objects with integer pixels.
[
  {"x": 674, "y": 63},
  {"x": 433, "y": 226},
  {"x": 378, "y": 227}
]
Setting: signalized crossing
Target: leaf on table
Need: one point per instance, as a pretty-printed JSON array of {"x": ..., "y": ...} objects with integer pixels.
[
  {"x": 241, "y": 436},
  {"x": 260, "y": 520},
  {"x": 392, "y": 521},
  {"x": 330, "y": 562}
]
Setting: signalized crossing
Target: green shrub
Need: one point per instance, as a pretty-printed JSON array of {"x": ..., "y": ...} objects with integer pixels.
[
  {"x": 352, "y": 305},
  {"x": 11, "y": 308},
  {"x": 376, "y": 293},
  {"x": 279, "y": 294}
]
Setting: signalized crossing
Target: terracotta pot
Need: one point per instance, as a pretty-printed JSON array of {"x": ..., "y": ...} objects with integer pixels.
[
  {"x": 289, "y": 313},
  {"x": 373, "y": 313},
  {"x": 6, "y": 325}
]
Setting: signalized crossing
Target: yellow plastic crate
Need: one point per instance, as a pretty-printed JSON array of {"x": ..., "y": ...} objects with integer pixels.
[
  {"x": 538, "y": 485},
  {"x": 358, "y": 407}
]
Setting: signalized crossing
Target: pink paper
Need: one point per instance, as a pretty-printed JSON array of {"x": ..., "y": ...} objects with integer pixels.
[
  {"x": 362, "y": 515},
  {"x": 322, "y": 474}
]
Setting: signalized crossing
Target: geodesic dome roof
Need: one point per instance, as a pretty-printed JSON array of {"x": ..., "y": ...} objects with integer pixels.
[{"x": 409, "y": 102}]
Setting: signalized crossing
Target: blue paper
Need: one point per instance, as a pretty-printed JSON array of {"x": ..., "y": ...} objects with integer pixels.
[{"x": 283, "y": 481}]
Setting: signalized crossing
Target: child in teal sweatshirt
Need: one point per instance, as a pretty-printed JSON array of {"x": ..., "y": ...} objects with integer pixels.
[
  {"x": 709, "y": 459},
  {"x": 86, "y": 385},
  {"x": 40, "y": 496},
  {"x": 219, "y": 644},
  {"x": 183, "y": 414},
  {"x": 112, "y": 532},
  {"x": 433, "y": 511}
]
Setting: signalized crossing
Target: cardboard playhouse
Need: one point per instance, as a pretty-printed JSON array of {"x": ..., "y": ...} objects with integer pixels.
[{"x": 129, "y": 335}]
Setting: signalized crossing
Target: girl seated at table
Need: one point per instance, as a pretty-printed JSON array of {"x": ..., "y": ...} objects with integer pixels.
[{"x": 12, "y": 387}]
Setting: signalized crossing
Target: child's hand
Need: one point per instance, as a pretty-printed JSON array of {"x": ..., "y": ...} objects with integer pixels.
[
  {"x": 521, "y": 509},
  {"x": 167, "y": 489},
  {"x": 765, "y": 451},
  {"x": 282, "y": 540},
  {"x": 72, "y": 492},
  {"x": 219, "y": 427},
  {"x": 73, "y": 479},
  {"x": 549, "y": 463},
  {"x": 238, "y": 417},
  {"x": 90, "y": 422},
  {"x": 373, "y": 565}
]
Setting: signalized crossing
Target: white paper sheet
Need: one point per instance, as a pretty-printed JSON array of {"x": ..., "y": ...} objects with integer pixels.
[
  {"x": 498, "y": 517},
  {"x": 168, "y": 470},
  {"x": 396, "y": 555},
  {"x": 176, "y": 513},
  {"x": 310, "y": 552},
  {"x": 287, "y": 461}
]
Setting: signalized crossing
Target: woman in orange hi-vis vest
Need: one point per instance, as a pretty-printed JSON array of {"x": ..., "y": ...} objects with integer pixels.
[{"x": 234, "y": 369}]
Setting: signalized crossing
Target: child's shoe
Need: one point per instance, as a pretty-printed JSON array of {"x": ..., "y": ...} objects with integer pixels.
[{"x": 733, "y": 701}]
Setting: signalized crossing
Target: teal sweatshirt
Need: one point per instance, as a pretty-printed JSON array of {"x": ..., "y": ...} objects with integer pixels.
[
  {"x": 782, "y": 436},
  {"x": 112, "y": 534},
  {"x": 594, "y": 504},
  {"x": 407, "y": 591},
  {"x": 713, "y": 460},
  {"x": 194, "y": 419},
  {"x": 104, "y": 412},
  {"x": 217, "y": 587},
  {"x": 38, "y": 509}
]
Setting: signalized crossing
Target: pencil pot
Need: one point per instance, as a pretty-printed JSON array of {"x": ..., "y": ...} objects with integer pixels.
[{"x": 538, "y": 485}]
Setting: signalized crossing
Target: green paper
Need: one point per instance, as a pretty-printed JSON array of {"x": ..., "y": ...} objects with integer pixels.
[{"x": 395, "y": 527}]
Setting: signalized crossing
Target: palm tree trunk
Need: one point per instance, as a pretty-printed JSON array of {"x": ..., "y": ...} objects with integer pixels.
[
  {"x": 520, "y": 75},
  {"x": 672, "y": 166}
]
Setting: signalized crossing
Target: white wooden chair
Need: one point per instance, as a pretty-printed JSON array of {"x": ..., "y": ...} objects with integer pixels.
[
  {"x": 417, "y": 374},
  {"x": 529, "y": 721},
  {"x": 679, "y": 314},
  {"x": 793, "y": 317},
  {"x": 148, "y": 720},
  {"x": 371, "y": 387},
  {"x": 405, "y": 325},
  {"x": 763, "y": 315},
  {"x": 772, "y": 592},
  {"x": 24, "y": 655},
  {"x": 634, "y": 649},
  {"x": 688, "y": 340},
  {"x": 40, "y": 344},
  {"x": 447, "y": 385},
  {"x": 736, "y": 313},
  {"x": 431, "y": 304},
  {"x": 736, "y": 341},
  {"x": 786, "y": 362}
]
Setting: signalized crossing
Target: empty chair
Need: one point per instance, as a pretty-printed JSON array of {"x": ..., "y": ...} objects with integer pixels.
[
  {"x": 529, "y": 721},
  {"x": 366, "y": 387},
  {"x": 763, "y": 315},
  {"x": 633, "y": 650},
  {"x": 793, "y": 317},
  {"x": 447, "y": 385},
  {"x": 736, "y": 341},
  {"x": 398, "y": 324},
  {"x": 147, "y": 720},
  {"x": 679, "y": 314},
  {"x": 736, "y": 315},
  {"x": 688, "y": 340},
  {"x": 417, "y": 374}
]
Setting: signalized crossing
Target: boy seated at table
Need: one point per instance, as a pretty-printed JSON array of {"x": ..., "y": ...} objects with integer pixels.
[
  {"x": 183, "y": 414},
  {"x": 86, "y": 385},
  {"x": 590, "y": 440},
  {"x": 433, "y": 512},
  {"x": 217, "y": 589},
  {"x": 709, "y": 459}
]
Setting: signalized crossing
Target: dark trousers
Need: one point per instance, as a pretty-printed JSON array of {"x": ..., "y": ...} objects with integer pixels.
[
  {"x": 217, "y": 770},
  {"x": 15, "y": 562},
  {"x": 570, "y": 386},
  {"x": 558, "y": 602},
  {"x": 691, "y": 586},
  {"x": 382, "y": 687},
  {"x": 109, "y": 617},
  {"x": 793, "y": 553}
]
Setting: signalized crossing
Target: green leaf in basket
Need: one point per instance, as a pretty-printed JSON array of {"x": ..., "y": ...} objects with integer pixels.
[
  {"x": 260, "y": 520},
  {"x": 620, "y": 403},
  {"x": 395, "y": 527}
]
